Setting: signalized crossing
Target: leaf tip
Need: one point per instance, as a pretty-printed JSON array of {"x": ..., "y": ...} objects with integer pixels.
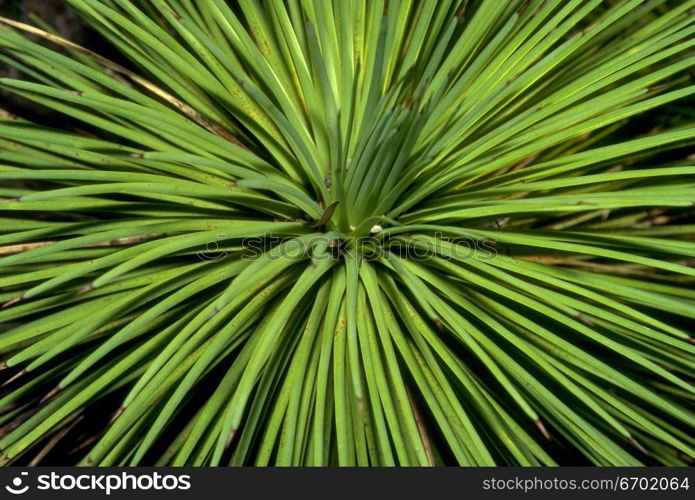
[
  {"x": 12, "y": 302},
  {"x": 230, "y": 438},
  {"x": 14, "y": 377},
  {"x": 86, "y": 289},
  {"x": 116, "y": 414},
  {"x": 52, "y": 393},
  {"x": 637, "y": 444},
  {"x": 541, "y": 427}
]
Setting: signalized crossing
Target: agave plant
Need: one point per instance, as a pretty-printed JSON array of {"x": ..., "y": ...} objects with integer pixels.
[{"x": 384, "y": 232}]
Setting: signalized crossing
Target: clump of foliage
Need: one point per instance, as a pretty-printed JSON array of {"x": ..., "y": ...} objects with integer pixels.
[{"x": 384, "y": 232}]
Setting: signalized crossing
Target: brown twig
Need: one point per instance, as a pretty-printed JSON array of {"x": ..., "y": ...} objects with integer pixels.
[
  {"x": 129, "y": 240},
  {"x": 178, "y": 104},
  {"x": 53, "y": 442},
  {"x": 423, "y": 431},
  {"x": 634, "y": 269}
]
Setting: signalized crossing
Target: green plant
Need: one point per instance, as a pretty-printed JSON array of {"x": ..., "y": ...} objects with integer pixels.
[{"x": 364, "y": 145}]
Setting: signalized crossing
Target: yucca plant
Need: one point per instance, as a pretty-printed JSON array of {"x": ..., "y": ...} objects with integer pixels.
[{"x": 384, "y": 232}]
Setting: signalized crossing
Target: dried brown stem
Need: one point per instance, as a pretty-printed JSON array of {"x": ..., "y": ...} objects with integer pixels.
[{"x": 24, "y": 247}]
